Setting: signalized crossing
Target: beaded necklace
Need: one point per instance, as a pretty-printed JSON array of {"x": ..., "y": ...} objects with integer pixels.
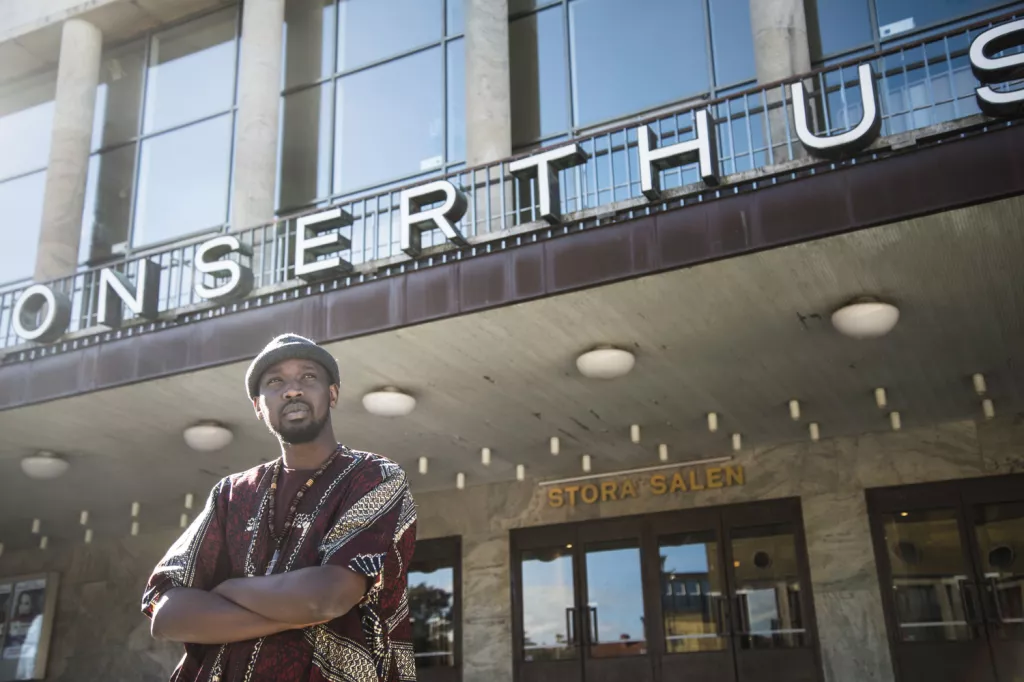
[{"x": 279, "y": 538}]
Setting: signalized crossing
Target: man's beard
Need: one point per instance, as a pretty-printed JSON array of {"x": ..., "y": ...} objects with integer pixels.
[{"x": 297, "y": 434}]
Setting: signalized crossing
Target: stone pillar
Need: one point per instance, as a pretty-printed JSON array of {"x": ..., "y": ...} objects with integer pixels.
[
  {"x": 486, "y": 608},
  {"x": 78, "y": 75},
  {"x": 781, "y": 50},
  {"x": 847, "y": 598},
  {"x": 488, "y": 84},
  {"x": 259, "y": 93}
]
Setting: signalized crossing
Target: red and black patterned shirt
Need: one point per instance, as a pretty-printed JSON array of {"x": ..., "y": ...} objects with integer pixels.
[{"x": 359, "y": 514}]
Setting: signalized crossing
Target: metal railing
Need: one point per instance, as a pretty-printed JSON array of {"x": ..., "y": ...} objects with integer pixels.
[{"x": 919, "y": 85}]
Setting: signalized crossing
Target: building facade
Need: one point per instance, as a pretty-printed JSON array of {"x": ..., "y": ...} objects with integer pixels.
[{"x": 696, "y": 325}]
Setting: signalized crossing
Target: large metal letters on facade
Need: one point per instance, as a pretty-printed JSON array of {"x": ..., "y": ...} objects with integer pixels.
[{"x": 43, "y": 313}]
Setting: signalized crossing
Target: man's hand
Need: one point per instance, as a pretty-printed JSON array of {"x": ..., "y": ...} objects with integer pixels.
[
  {"x": 194, "y": 616},
  {"x": 308, "y": 596}
]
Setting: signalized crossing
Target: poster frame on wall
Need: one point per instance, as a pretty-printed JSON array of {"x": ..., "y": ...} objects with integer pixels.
[{"x": 20, "y": 660}]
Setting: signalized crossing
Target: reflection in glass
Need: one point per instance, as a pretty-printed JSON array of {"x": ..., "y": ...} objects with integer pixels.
[
  {"x": 611, "y": 42},
  {"x": 540, "y": 105},
  {"x": 732, "y": 41},
  {"x": 304, "y": 155},
  {"x": 548, "y": 605},
  {"x": 456, "y": 21},
  {"x": 456, "y": 100},
  {"x": 108, "y": 203},
  {"x": 692, "y": 594},
  {"x": 191, "y": 72},
  {"x": 431, "y": 602},
  {"x": 308, "y": 41},
  {"x": 615, "y": 600},
  {"x": 26, "y": 124},
  {"x": 118, "y": 96},
  {"x": 767, "y": 587},
  {"x": 22, "y": 202},
  {"x": 899, "y": 16},
  {"x": 1000, "y": 530},
  {"x": 929, "y": 575},
  {"x": 183, "y": 182},
  {"x": 835, "y": 26},
  {"x": 389, "y": 122},
  {"x": 368, "y": 32}
]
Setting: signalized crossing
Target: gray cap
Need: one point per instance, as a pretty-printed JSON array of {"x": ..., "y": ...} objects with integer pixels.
[{"x": 288, "y": 347}]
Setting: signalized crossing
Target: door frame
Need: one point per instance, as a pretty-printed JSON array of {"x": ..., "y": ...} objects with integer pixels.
[{"x": 435, "y": 549}]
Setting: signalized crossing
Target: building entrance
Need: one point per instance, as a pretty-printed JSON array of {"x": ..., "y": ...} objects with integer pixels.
[
  {"x": 708, "y": 594},
  {"x": 952, "y": 571}
]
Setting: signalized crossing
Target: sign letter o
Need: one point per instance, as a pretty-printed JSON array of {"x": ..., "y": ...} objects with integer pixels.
[{"x": 54, "y": 323}]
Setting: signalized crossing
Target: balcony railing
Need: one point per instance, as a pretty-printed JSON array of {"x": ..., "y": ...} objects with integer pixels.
[{"x": 919, "y": 85}]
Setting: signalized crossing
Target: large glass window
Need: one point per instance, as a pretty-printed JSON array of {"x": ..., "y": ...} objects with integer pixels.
[
  {"x": 579, "y": 63},
  {"x": 162, "y": 138},
  {"x": 367, "y": 101},
  {"x": 434, "y": 603},
  {"x": 26, "y": 123}
]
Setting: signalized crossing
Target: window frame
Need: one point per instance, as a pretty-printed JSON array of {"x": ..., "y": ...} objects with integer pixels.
[
  {"x": 447, "y": 549},
  {"x": 333, "y": 198}
]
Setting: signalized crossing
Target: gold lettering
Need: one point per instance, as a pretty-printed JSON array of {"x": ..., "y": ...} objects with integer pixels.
[
  {"x": 659, "y": 485},
  {"x": 589, "y": 493},
  {"x": 628, "y": 489},
  {"x": 714, "y": 476},
  {"x": 678, "y": 483},
  {"x": 693, "y": 481},
  {"x": 608, "y": 491},
  {"x": 572, "y": 490},
  {"x": 734, "y": 475},
  {"x": 555, "y": 497}
]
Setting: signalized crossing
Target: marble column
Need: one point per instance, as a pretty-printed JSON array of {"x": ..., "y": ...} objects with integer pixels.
[
  {"x": 781, "y": 50},
  {"x": 486, "y": 608},
  {"x": 847, "y": 597},
  {"x": 78, "y": 74},
  {"x": 488, "y": 84},
  {"x": 259, "y": 93}
]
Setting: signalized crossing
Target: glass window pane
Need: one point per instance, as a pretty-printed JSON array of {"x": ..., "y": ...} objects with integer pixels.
[
  {"x": 456, "y": 23},
  {"x": 899, "y": 16},
  {"x": 613, "y": 70},
  {"x": 108, "y": 203},
  {"x": 548, "y": 604},
  {"x": 837, "y": 26},
  {"x": 1000, "y": 530},
  {"x": 456, "y": 100},
  {"x": 22, "y": 200},
  {"x": 389, "y": 122},
  {"x": 119, "y": 96},
  {"x": 929, "y": 572},
  {"x": 692, "y": 593},
  {"x": 732, "y": 41},
  {"x": 305, "y": 154},
  {"x": 26, "y": 124},
  {"x": 368, "y": 32},
  {"x": 183, "y": 182},
  {"x": 308, "y": 41},
  {"x": 191, "y": 72},
  {"x": 615, "y": 600},
  {"x": 767, "y": 587},
  {"x": 431, "y": 600},
  {"x": 540, "y": 103}
]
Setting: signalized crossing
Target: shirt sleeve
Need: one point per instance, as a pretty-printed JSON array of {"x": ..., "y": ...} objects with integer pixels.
[
  {"x": 367, "y": 535},
  {"x": 197, "y": 558}
]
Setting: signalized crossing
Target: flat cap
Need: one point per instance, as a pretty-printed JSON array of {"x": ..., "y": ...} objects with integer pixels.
[{"x": 288, "y": 347}]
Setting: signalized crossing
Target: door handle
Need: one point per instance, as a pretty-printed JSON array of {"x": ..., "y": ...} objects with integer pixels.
[
  {"x": 724, "y": 626},
  {"x": 740, "y": 622},
  {"x": 570, "y": 626},
  {"x": 974, "y": 613},
  {"x": 592, "y": 625}
]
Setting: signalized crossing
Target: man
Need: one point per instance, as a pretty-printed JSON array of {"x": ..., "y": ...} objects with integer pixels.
[{"x": 295, "y": 570}]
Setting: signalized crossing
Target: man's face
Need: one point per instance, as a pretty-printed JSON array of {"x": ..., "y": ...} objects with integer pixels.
[{"x": 295, "y": 400}]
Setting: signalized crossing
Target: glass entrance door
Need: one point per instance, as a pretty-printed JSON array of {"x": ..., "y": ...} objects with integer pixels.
[{"x": 948, "y": 556}]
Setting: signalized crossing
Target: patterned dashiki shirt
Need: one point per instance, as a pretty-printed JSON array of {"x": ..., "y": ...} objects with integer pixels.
[{"x": 359, "y": 514}]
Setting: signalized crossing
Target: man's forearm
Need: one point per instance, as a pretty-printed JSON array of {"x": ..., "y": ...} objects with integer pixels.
[
  {"x": 198, "y": 617},
  {"x": 304, "y": 597}
]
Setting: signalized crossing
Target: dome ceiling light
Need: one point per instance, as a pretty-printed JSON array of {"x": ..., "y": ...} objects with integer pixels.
[
  {"x": 866, "y": 318},
  {"x": 605, "y": 362},
  {"x": 389, "y": 402},
  {"x": 208, "y": 436},
  {"x": 44, "y": 466}
]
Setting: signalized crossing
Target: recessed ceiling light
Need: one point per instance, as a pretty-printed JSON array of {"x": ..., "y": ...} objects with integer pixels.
[
  {"x": 389, "y": 402},
  {"x": 866, "y": 318},
  {"x": 208, "y": 436},
  {"x": 605, "y": 363},
  {"x": 44, "y": 466}
]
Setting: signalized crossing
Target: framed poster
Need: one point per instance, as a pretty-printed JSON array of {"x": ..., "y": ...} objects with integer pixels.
[{"x": 27, "y": 606}]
